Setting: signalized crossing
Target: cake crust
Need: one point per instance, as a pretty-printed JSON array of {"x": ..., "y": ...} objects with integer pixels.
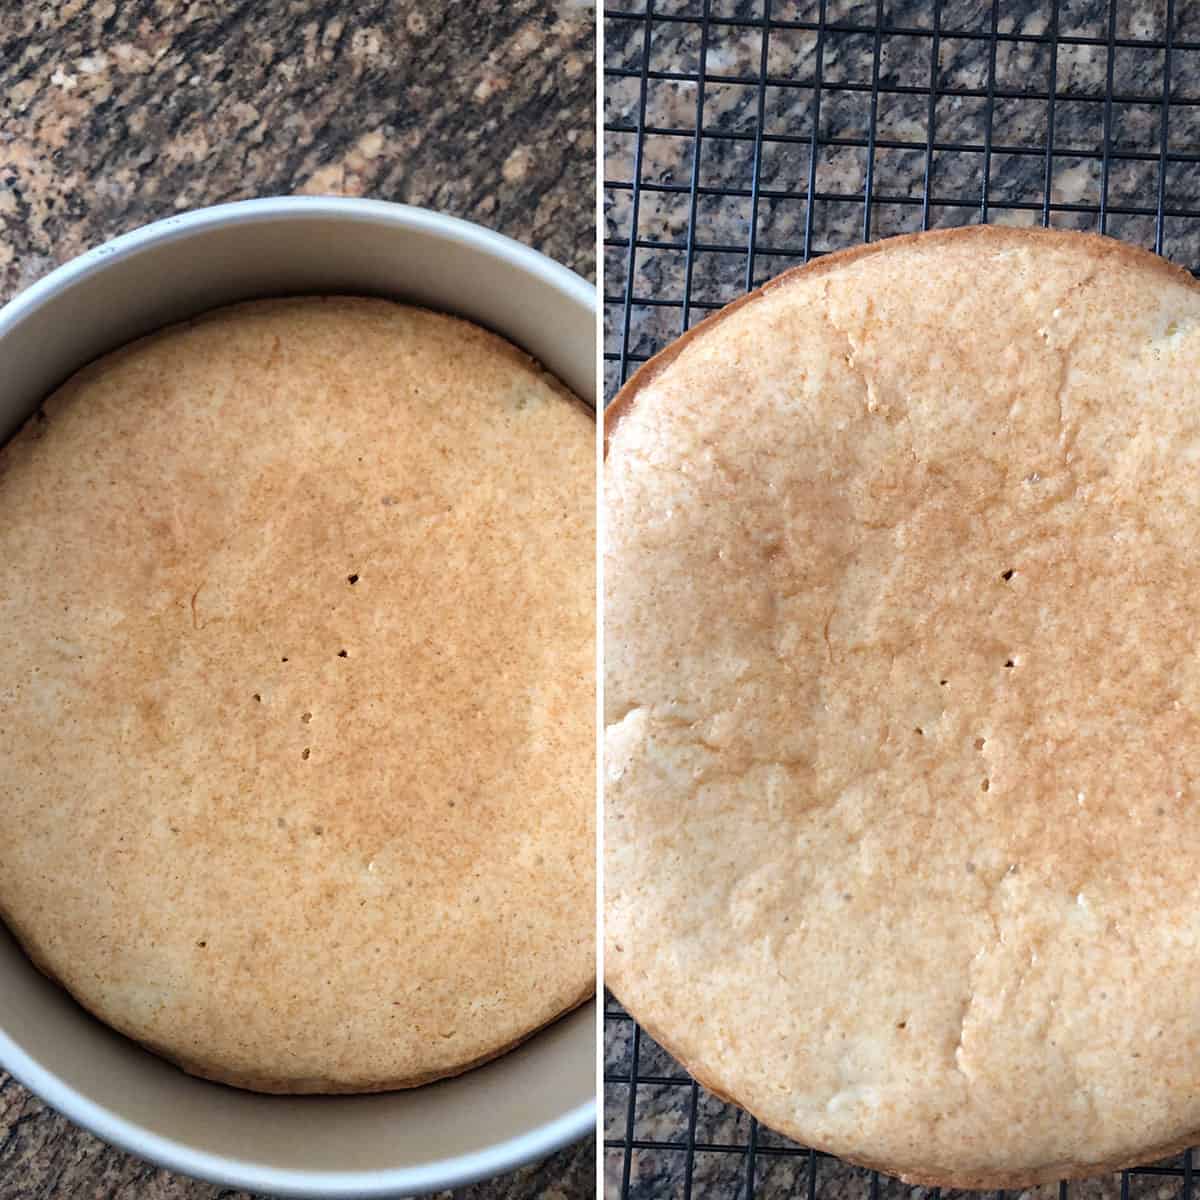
[{"x": 901, "y": 731}]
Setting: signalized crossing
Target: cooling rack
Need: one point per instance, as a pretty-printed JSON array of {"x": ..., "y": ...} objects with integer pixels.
[{"x": 743, "y": 137}]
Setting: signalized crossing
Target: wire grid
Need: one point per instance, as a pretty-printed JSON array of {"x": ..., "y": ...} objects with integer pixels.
[
  {"x": 743, "y": 137},
  {"x": 746, "y": 136}
]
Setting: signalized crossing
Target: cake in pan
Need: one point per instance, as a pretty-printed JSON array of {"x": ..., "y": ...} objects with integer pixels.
[
  {"x": 903, "y": 705},
  {"x": 297, "y": 694}
]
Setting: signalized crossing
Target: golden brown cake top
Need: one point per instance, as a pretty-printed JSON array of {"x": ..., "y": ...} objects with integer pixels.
[
  {"x": 297, "y": 696},
  {"x": 902, "y": 703}
]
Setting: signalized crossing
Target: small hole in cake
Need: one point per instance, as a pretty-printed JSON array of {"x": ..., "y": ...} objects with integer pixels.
[
  {"x": 1009, "y": 663},
  {"x": 919, "y": 731},
  {"x": 202, "y": 945},
  {"x": 985, "y": 786},
  {"x": 901, "y": 1024},
  {"x": 306, "y": 717},
  {"x": 351, "y": 579},
  {"x": 343, "y": 654},
  {"x": 1007, "y": 575},
  {"x": 283, "y": 660},
  {"x": 943, "y": 682},
  {"x": 980, "y": 743},
  {"x": 258, "y": 697},
  {"x": 306, "y": 752}
]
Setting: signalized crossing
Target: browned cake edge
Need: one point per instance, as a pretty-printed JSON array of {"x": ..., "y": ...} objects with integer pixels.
[
  {"x": 279, "y": 1086},
  {"x": 1101, "y": 247},
  {"x": 997, "y": 235},
  {"x": 932, "y": 1176}
]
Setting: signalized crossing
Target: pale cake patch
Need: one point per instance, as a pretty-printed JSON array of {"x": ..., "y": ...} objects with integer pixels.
[
  {"x": 903, "y": 748},
  {"x": 297, "y": 694}
]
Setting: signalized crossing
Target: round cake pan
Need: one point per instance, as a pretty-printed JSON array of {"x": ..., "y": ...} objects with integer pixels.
[{"x": 523, "y": 1105}]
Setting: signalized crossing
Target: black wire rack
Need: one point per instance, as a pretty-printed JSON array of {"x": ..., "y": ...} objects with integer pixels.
[{"x": 743, "y": 137}]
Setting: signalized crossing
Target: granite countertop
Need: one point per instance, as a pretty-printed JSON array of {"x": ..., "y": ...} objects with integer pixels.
[
  {"x": 116, "y": 114},
  {"x": 659, "y": 1112}
]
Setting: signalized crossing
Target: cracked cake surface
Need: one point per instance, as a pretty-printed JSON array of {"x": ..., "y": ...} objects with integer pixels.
[{"x": 902, "y": 745}]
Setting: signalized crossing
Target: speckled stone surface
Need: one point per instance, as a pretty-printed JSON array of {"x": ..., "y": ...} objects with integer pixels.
[
  {"x": 798, "y": 142},
  {"x": 116, "y": 114}
]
